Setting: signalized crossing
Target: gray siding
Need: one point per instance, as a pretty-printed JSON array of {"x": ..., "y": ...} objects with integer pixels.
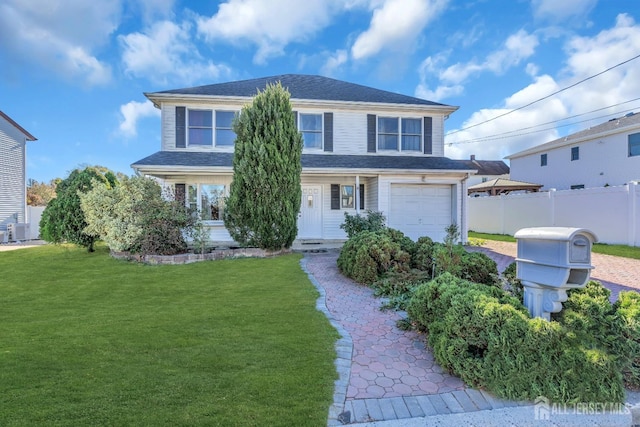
[{"x": 12, "y": 175}]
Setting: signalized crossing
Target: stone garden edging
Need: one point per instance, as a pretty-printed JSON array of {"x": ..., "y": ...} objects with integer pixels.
[{"x": 189, "y": 258}]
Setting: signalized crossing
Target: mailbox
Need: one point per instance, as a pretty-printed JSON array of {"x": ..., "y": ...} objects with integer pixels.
[{"x": 551, "y": 260}]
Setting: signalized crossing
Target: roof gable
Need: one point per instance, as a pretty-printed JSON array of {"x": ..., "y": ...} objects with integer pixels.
[
  {"x": 18, "y": 127},
  {"x": 302, "y": 86}
]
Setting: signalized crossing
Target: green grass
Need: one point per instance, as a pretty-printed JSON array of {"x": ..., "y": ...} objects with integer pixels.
[
  {"x": 599, "y": 248},
  {"x": 89, "y": 340}
]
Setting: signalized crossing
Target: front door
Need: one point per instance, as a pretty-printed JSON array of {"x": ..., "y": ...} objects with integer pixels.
[{"x": 310, "y": 216}]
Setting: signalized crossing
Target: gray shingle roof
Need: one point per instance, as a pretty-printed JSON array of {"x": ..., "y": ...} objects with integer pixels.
[
  {"x": 488, "y": 167},
  {"x": 612, "y": 125},
  {"x": 302, "y": 86},
  {"x": 348, "y": 162}
]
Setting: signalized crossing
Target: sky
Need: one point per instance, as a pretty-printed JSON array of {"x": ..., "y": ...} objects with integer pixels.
[{"x": 522, "y": 72}]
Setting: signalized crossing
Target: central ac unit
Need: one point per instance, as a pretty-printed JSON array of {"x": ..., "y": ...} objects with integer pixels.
[{"x": 18, "y": 231}]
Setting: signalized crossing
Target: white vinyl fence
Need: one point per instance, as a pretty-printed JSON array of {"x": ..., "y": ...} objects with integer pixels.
[
  {"x": 34, "y": 213},
  {"x": 612, "y": 213}
]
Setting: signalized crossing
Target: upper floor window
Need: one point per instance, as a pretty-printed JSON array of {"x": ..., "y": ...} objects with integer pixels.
[
  {"x": 399, "y": 133},
  {"x": 311, "y": 129},
  {"x": 543, "y": 160},
  {"x": 575, "y": 153},
  {"x": 634, "y": 144},
  {"x": 225, "y": 136},
  {"x": 200, "y": 127},
  {"x": 200, "y": 124}
]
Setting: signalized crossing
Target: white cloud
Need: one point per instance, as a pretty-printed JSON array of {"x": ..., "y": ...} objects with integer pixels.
[
  {"x": 586, "y": 56},
  {"x": 560, "y": 10},
  {"x": 164, "y": 52},
  {"x": 132, "y": 112},
  {"x": 395, "y": 25},
  {"x": 334, "y": 62},
  {"x": 60, "y": 36},
  {"x": 516, "y": 48},
  {"x": 268, "y": 25}
]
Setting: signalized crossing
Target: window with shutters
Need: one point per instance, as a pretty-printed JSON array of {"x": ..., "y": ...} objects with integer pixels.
[
  {"x": 344, "y": 196},
  {"x": 206, "y": 128},
  {"x": 200, "y": 127},
  {"x": 311, "y": 129},
  {"x": 399, "y": 134}
]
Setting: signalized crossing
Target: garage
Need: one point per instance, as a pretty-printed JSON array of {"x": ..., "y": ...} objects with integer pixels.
[{"x": 421, "y": 210}]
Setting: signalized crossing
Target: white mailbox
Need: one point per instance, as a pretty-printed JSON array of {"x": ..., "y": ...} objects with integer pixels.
[{"x": 551, "y": 260}]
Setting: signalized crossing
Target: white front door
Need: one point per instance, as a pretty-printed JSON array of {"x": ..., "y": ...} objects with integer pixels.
[{"x": 310, "y": 216}]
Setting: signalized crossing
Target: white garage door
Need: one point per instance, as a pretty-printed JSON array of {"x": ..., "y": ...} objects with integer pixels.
[{"x": 421, "y": 210}]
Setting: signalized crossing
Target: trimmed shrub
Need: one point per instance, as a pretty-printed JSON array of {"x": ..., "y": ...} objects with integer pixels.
[
  {"x": 511, "y": 283},
  {"x": 398, "y": 286},
  {"x": 422, "y": 256},
  {"x": 628, "y": 307},
  {"x": 486, "y": 337},
  {"x": 368, "y": 255},
  {"x": 479, "y": 268},
  {"x": 354, "y": 224}
]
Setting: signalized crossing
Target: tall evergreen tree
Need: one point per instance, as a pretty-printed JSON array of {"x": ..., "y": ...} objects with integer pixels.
[{"x": 264, "y": 199}]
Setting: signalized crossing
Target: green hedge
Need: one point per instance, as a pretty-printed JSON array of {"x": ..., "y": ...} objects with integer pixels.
[{"x": 487, "y": 338}]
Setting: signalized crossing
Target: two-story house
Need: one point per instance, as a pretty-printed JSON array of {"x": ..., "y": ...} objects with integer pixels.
[
  {"x": 606, "y": 154},
  {"x": 364, "y": 149},
  {"x": 13, "y": 175}
]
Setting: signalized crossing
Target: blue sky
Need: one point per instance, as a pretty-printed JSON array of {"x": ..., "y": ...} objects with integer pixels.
[{"x": 73, "y": 72}]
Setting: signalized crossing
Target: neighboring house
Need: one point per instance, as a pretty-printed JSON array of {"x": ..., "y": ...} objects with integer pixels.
[
  {"x": 487, "y": 170},
  {"x": 607, "y": 154},
  {"x": 13, "y": 177},
  {"x": 364, "y": 149}
]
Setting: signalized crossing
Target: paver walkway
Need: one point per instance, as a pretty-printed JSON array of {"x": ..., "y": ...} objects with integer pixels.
[{"x": 387, "y": 373}]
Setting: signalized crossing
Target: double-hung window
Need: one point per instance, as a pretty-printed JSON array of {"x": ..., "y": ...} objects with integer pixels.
[
  {"x": 200, "y": 127},
  {"x": 634, "y": 144},
  {"x": 311, "y": 129},
  {"x": 225, "y": 136},
  {"x": 403, "y": 134},
  {"x": 207, "y": 200},
  {"x": 411, "y": 134},
  {"x": 209, "y": 128}
]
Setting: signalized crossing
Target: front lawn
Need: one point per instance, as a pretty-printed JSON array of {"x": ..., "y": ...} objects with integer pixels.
[
  {"x": 89, "y": 340},
  {"x": 599, "y": 248}
]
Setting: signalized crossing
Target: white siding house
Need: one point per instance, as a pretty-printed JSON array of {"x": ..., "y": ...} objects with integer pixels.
[
  {"x": 365, "y": 149},
  {"x": 604, "y": 155},
  {"x": 13, "y": 193}
]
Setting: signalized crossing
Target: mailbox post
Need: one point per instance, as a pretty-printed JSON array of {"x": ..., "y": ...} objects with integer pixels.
[{"x": 550, "y": 261}]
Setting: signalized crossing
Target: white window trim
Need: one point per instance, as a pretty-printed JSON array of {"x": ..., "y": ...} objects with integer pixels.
[
  {"x": 299, "y": 120},
  {"x": 215, "y": 127},
  {"x": 399, "y": 134},
  {"x": 213, "y": 130},
  {"x": 198, "y": 186},
  {"x": 188, "y": 128}
]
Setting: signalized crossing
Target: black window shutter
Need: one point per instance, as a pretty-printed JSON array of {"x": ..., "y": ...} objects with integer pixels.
[
  {"x": 361, "y": 196},
  {"x": 371, "y": 133},
  {"x": 428, "y": 135},
  {"x": 181, "y": 116},
  {"x": 295, "y": 118},
  {"x": 335, "y": 196},
  {"x": 328, "y": 132},
  {"x": 181, "y": 193}
]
